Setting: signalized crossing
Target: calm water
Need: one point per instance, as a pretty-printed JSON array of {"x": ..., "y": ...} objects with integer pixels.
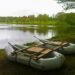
[{"x": 20, "y": 34}]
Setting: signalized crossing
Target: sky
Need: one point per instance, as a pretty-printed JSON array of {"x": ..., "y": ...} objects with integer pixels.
[{"x": 29, "y": 7}]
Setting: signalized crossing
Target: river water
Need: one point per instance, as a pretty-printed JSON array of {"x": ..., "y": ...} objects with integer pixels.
[{"x": 20, "y": 34}]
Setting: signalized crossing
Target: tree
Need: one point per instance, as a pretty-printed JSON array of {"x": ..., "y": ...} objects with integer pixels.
[
  {"x": 67, "y": 4},
  {"x": 65, "y": 19}
]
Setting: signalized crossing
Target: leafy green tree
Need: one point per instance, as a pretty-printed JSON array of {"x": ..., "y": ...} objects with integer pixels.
[
  {"x": 67, "y": 4},
  {"x": 65, "y": 19}
]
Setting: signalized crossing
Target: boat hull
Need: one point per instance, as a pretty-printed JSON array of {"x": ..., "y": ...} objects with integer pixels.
[
  {"x": 68, "y": 49},
  {"x": 53, "y": 61},
  {"x": 49, "y": 63}
]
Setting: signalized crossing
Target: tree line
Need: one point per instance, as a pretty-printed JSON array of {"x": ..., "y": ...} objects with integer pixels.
[
  {"x": 65, "y": 19},
  {"x": 59, "y": 19},
  {"x": 31, "y": 19}
]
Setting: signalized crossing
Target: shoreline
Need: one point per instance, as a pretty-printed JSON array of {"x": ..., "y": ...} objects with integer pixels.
[{"x": 13, "y": 68}]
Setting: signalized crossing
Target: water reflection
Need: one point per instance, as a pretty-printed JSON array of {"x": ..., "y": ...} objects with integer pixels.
[
  {"x": 23, "y": 34},
  {"x": 41, "y": 30},
  {"x": 65, "y": 33}
]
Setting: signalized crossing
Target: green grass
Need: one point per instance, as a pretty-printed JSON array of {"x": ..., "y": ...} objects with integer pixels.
[
  {"x": 12, "y": 68},
  {"x": 32, "y": 23}
]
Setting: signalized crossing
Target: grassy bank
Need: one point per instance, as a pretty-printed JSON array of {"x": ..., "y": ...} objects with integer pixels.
[
  {"x": 32, "y": 23},
  {"x": 11, "y": 68}
]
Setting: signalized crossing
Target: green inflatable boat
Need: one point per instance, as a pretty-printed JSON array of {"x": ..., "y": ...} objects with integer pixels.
[
  {"x": 70, "y": 49},
  {"x": 63, "y": 47},
  {"x": 44, "y": 59}
]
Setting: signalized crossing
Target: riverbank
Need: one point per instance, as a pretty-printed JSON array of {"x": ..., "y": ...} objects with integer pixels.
[
  {"x": 31, "y": 23},
  {"x": 12, "y": 68}
]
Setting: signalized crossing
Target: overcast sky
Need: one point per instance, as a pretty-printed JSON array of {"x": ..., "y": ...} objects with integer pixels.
[{"x": 28, "y": 7}]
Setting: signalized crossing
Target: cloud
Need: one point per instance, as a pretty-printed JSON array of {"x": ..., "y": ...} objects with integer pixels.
[{"x": 28, "y": 7}]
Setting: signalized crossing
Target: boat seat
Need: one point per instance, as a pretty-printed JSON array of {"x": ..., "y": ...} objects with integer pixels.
[
  {"x": 35, "y": 49},
  {"x": 39, "y": 52},
  {"x": 58, "y": 43},
  {"x": 42, "y": 54}
]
